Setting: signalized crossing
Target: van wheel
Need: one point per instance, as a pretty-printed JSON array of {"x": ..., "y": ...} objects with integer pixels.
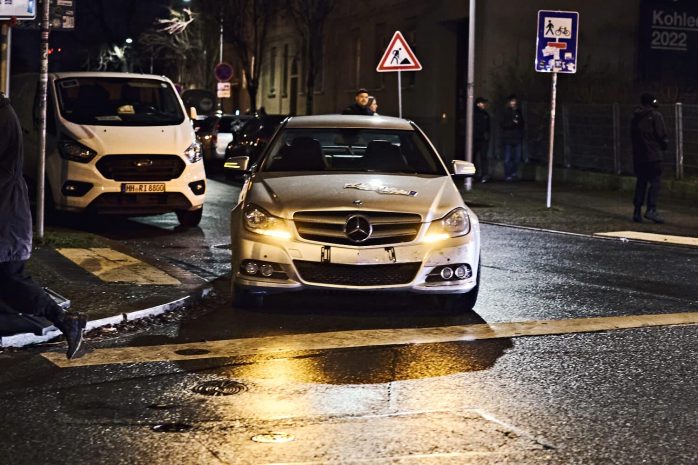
[{"x": 189, "y": 218}]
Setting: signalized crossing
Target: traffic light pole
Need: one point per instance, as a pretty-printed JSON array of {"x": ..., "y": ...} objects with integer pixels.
[{"x": 43, "y": 89}]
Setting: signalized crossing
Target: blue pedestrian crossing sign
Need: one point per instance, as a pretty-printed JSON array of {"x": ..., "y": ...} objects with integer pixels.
[{"x": 556, "y": 44}]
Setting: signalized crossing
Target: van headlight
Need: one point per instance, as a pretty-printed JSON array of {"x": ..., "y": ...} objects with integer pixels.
[
  {"x": 74, "y": 151},
  {"x": 193, "y": 152},
  {"x": 258, "y": 220},
  {"x": 456, "y": 223}
]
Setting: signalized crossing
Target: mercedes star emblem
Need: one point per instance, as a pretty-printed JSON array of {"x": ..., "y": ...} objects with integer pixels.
[{"x": 358, "y": 228}]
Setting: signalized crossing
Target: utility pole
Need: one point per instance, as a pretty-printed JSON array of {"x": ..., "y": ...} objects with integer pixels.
[
  {"x": 43, "y": 90},
  {"x": 471, "y": 91}
]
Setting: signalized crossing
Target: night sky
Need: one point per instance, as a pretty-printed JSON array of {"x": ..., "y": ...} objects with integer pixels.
[{"x": 96, "y": 22}]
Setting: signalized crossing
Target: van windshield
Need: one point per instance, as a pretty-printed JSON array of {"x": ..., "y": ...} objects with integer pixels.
[{"x": 113, "y": 101}]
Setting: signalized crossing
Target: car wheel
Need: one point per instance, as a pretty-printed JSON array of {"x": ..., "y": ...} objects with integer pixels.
[
  {"x": 460, "y": 303},
  {"x": 189, "y": 218},
  {"x": 243, "y": 298}
]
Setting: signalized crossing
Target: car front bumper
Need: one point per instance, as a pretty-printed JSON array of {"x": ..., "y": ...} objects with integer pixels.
[{"x": 300, "y": 264}]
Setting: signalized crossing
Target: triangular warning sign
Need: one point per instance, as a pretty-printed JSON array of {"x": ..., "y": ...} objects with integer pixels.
[{"x": 398, "y": 56}]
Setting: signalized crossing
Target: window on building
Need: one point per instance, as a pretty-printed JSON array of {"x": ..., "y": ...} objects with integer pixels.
[
  {"x": 284, "y": 81},
  {"x": 272, "y": 71}
]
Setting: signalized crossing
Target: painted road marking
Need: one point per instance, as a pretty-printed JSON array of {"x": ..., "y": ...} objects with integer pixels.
[
  {"x": 642, "y": 236},
  {"x": 116, "y": 267},
  {"x": 274, "y": 345}
]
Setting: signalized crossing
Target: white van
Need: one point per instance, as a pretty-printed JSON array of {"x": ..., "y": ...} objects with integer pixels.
[{"x": 116, "y": 143}]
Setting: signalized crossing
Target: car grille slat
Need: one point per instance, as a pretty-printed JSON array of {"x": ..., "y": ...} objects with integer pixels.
[
  {"x": 328, "y": 227},
  {"x": 141, "y": 167},
  {"x": 356, "y": 275}
]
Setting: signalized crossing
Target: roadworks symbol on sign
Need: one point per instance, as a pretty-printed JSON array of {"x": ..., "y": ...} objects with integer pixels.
[{"x": 398, "y": 56}]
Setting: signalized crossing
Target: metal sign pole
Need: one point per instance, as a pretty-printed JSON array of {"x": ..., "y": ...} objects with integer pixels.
[
  {"x": 399, "y": 92},
  {"x": 43, "y": 88},
  {"x": 553, "y": 98},
  {"x": 469, "y": 110}
]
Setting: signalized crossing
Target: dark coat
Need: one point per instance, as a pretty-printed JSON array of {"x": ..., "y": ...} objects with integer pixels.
[
  {"x": 648, "y": 135},
  {"x": 512, "y": 126},
  {"x": 356, "y": 109},
  {"x": 481, "y": 124},
  {"x": 15, "y": 216}
]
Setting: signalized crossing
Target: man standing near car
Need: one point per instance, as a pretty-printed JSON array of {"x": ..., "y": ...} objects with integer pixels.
[
  {"x": 360, "y": 105},
  {"x": 481, "y": 138},
  {"x": 17, "y": 289},
  {"x": 649, "y": 140},
  {"x": 512, "y": 137}
]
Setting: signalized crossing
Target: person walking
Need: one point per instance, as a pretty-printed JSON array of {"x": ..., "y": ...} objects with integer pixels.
[
  {"x": 649, "y": 140},
  {"x": 17, "y": 289},
  {"x": 512, "y": 137},
  {"x": 360, "y": 105},
  {"x": 481, "y": 138}
]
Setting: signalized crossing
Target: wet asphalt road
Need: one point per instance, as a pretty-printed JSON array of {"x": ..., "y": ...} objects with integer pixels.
[{"x": 621, "y": 397}]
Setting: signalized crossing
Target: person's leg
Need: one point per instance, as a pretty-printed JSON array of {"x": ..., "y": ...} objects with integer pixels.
[
  {"x": 484, "y": 160},
  {"x": 507, "y": 161},
  {"x": 654, "y": 179},
  {"x": 23, "y": 295},
  {"x": 517, "y": 160}
]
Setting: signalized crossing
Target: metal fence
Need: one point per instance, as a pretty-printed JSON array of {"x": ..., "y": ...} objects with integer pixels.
[{"x": 596, "y": 137}]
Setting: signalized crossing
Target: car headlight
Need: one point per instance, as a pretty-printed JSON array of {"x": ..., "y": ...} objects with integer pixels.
[
  {"x": 193, "y": 152},
  {"x": 258, "y": 220},
  {"x": 456, "y": 223},
  {"x": 75, "y": 151}
]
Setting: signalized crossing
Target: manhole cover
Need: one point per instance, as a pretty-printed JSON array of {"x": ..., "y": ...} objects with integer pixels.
[
  {"x": 273, "y": 437},
  {"x": 192, "y": 352},
  {"x": 219, "y": 388},
  {"x": 171, "y": 428}
]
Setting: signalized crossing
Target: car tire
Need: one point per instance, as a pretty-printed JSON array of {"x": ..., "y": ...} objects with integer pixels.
[
  {"x": 242, "y": 298},
  {"x": 461, "y": 303},
  {"x": 189, "y": 218}
]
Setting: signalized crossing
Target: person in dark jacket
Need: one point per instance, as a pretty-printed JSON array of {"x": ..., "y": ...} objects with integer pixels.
[
  {"x": 481, "y": 138},
  {"x": 649, "y": 140},
  {"x": 360, "y": 105},
  {"x": 512, "y": 137},
  {"x": 17, "y": 289}
]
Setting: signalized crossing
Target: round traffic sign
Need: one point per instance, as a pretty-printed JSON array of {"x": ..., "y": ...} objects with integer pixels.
[{"x": 223, "y": 72}]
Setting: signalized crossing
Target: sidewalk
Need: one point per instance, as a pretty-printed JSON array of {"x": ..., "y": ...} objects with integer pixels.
[
  {"x": 575, "y": 209},
  {"x": 108, "y": 302},
  {"x": 101, "y": 278}
]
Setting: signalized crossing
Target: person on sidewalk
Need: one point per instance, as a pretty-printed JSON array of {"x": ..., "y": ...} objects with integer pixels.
[
  {"x": 373, "y": 105},
  {"x": 481, "y": 138},
  {"x": 360, "y": 105},
  {"x": 512, "y": 137},
  {"x": 17, "y": 289},
  {"x": 649, "y": 140}
]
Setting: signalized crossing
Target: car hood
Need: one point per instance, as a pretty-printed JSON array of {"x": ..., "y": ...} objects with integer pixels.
[
  {"x": 430, "y": 196},
  {"x": 134, "y": 140}
]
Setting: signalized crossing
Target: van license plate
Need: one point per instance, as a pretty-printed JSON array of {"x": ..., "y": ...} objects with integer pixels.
[{"x": 131, "y": 188}]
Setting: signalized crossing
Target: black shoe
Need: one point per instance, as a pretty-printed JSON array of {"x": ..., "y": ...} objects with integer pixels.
[
  {"x": 637, "y": 215},
  {"x": 652, "y": 215},
  {"x": 72, "y": 325}
]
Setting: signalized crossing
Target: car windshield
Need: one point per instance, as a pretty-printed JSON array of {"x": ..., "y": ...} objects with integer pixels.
[
  {"x": 111, "y": 101},
  {"x": 352, "y": 150}
]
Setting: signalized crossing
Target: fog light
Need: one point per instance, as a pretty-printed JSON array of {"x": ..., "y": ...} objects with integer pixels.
[
  {"x": 461, "y": 272},
  {"x": 266, "y": 270},
  {"x": 75, "y": 188},
  {"x": 446, "y": 272},
  {"x": 198, "y": 187},
  {"x": 251, "y": 268}
]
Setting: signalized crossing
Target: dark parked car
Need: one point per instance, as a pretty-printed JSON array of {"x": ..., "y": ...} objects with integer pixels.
[
  {"x": 205, "y": 128},
  {"x": 253, "y": 137}
]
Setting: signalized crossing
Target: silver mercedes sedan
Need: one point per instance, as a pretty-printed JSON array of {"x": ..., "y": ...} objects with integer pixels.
[{"x": 361, "y": 203}]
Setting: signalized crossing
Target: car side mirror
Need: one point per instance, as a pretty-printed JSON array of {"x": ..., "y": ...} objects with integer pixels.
[
  {"x": 239, "y": 164},
  {"x": 463, "y": 168},
  {"x": 192, "y": 113}
]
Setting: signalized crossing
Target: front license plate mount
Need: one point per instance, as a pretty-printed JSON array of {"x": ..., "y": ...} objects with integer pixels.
[{"x": 142, "y": 188}]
